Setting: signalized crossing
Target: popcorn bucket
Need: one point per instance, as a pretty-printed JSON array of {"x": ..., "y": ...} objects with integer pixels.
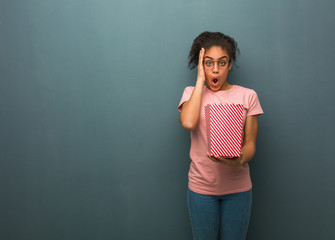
[{"x": 224, "y": 125}]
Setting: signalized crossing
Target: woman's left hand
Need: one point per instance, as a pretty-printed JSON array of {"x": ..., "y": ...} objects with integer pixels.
[{"x": 232, "y": 162}]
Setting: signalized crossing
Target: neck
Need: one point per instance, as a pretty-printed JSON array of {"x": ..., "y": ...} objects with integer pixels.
[{"x": 226, "y": 86}]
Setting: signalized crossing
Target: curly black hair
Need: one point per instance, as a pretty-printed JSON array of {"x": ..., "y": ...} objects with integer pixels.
[{"x": 207, "y": 40}]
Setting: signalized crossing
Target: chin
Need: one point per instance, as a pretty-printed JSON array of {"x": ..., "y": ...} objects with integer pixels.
[{"x": 214, "y": 88}]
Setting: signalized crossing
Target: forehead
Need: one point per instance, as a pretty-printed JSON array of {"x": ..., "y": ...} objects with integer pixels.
[{"x": 216, "y": 52}]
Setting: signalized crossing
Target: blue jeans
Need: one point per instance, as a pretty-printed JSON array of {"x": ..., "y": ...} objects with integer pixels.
[{"x": 224, "y": 217}]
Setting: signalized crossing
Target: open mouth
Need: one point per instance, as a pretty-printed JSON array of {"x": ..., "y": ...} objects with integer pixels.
[{"x": 215, "y": 81}]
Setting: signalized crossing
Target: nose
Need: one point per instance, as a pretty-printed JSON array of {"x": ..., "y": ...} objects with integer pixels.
[{"x": 216, "y": 67}]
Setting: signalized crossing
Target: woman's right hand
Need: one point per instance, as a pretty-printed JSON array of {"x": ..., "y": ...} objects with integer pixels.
[
  {"x": 189, "y": 116},
  {"x": 201, "y": 78}
]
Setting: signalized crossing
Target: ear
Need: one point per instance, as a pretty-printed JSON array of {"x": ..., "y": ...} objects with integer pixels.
[{"x": 230, "y": 65}]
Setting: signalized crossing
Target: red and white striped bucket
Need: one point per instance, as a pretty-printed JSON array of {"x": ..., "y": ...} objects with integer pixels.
[{"x": 224, "y": 124}]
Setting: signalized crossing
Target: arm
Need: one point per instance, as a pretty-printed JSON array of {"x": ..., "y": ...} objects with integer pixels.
[
  {"x": 249, "y": 144},
  {"x": 250, "y": 138},
  {"x": 189, "y": 115}
]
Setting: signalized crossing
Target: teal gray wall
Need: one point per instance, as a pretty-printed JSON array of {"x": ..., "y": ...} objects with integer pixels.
[{"x": 90, "y": 143}]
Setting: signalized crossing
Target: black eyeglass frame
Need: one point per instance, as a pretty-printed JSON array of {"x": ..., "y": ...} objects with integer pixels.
[{"x": 218, "y": 61}]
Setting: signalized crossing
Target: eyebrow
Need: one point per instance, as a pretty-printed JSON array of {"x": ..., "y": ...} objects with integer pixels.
[{"x": 218, "y": 59}]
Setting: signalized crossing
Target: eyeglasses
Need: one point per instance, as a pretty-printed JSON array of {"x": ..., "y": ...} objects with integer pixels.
[{"x": 209, "y": 64}]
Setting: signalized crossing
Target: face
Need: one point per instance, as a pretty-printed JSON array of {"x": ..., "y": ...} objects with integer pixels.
[{"x": 216, "y": 66}]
